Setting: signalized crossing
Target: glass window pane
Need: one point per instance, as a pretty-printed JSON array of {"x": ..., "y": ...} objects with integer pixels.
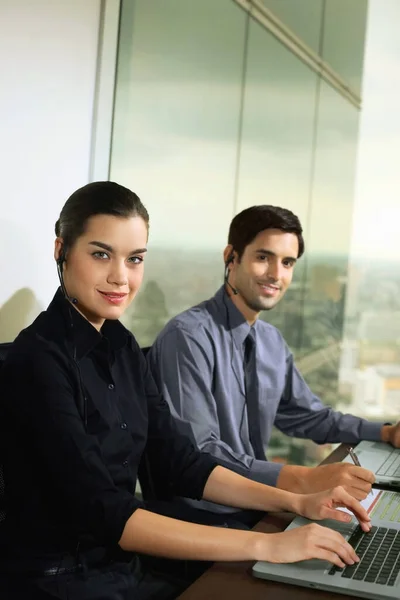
[
  {"x": 175, "y": 144},
  {"x": 370, "y": 360},
  {"x": 276, "y": 147},
  {"x": 328, "y": 243}
]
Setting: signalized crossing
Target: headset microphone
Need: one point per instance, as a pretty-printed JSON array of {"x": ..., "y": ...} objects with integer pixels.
[
  {"x": 230, "y": 259},
  {"x": 234, "y": 290}
]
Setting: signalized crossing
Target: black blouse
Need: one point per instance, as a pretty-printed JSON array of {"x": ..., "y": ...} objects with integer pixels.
[{"x": 77, "y": 410}]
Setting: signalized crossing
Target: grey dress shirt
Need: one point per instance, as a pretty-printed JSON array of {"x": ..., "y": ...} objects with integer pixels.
[{"x": 197, "y": 361}]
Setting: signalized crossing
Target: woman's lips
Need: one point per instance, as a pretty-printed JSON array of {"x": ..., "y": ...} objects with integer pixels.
[{"x": 113, "y": 297}]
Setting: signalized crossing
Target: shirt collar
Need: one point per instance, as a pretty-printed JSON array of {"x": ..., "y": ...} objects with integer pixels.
[
  {"x": 83, "y": 336},
  {"x": 235, "y": 321}
]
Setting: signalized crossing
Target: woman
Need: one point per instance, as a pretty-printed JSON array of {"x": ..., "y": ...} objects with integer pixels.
[{"x": 78, "y": 409}]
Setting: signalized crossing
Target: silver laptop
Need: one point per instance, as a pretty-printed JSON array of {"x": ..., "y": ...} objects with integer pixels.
[
  {"x": 380, "y": 458},
  {"x": 376, "y": 576}
]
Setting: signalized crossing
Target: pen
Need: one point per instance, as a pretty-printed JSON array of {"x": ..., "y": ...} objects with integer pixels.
[
  {"x": 355, "y": 460},
  {"x": 354, "y": 457}
]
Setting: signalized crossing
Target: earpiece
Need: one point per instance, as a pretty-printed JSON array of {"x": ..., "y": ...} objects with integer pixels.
[
  {"x": 60, "y": 261},
  {"x": 229, "y": 260}
]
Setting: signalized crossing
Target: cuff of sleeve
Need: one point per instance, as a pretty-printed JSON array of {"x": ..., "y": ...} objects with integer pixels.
[
  {"x": 204, "y": 477},
  {"x": 265, "y": 472},
  {"x": 109, "y": 516},
  {"x": 193, "y": 486},
  {"x": 371, "y": 431},
  {"x": 122, "y": 517}
]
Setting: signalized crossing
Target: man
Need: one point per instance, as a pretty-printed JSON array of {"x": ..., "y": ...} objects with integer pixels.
[{"x": 229, "y": 377}]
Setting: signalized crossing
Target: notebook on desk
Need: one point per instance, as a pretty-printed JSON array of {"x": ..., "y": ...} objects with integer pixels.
[
  {"x": 382, "y": 459},
  {"x": 376, "y": 576}
]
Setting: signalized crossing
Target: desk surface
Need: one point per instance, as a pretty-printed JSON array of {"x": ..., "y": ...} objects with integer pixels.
[{"x": 232, "y": 581}]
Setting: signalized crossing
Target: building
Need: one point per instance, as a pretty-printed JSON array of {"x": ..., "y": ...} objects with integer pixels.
[{"x": 377, "y": 392}]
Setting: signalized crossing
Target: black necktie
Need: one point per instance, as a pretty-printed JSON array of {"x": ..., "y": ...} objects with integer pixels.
[{"x": 251, "y": 387}]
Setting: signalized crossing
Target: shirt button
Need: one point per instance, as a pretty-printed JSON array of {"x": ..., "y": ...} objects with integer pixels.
[
  {"x": 111, "y": 386},
  {"x": 124, "y": 425},
  {"x": 125, "y": 463}
]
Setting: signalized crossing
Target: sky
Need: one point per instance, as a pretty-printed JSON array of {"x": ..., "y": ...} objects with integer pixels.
[{"x": 376, "y": 220}]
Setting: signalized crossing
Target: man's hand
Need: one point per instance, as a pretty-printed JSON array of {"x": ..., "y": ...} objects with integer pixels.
[
  {"x": 325, "y": 505},
  {"x": 391, "y": 434},
  {"x": 305, "y": 480}
]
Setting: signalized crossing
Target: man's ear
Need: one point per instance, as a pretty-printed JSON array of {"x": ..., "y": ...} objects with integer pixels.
[{"x": 228, "y": 254}]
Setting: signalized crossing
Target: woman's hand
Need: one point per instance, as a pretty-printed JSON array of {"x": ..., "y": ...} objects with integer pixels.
[
  {"x": 303, "y": 543},
  {"x": 324, "y": 505}
]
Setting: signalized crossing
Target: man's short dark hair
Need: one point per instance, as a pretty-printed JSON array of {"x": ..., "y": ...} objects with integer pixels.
[{"x": 247, "y": 224}]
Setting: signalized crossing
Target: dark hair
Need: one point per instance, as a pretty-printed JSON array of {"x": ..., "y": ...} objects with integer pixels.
[
  {"x": 246, "y": 225},
  {"x": 98, "y": 198}
]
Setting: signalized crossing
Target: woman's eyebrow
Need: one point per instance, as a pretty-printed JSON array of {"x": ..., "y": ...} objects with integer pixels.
[{"x": 110, "y": 248}]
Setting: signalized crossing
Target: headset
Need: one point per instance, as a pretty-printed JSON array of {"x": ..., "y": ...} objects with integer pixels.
[
  {"x": 60, "y": 262},
  {"x": 82, "y": 398},
  {"x": 229, "y": 260},
  {"x": 235, "y": 292}
]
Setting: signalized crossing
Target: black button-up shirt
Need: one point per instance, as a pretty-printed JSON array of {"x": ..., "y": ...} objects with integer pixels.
[{"x": 77, "y": 410}]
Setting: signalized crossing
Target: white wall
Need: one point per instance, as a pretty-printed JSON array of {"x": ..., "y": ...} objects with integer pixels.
[{"x": 48, "y": 54}]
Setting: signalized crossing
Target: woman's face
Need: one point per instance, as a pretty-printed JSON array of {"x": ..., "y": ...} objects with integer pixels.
[{"x": 104, "y": 268}]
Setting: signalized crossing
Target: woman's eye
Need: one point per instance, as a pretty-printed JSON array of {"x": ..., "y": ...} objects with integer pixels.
[
  {"x": 100, "y": 255},
  {"x": 136, "y": 260}
]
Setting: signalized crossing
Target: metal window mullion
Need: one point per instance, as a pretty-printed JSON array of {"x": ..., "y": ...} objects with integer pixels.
[
  {"x": 293, "y": 43},
  {"x": 104, "y": 96}
]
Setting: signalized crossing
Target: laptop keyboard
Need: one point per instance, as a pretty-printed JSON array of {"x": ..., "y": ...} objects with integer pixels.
[
  {"x": 379, "y": 553},
  {"x": 391, "y": 466}
]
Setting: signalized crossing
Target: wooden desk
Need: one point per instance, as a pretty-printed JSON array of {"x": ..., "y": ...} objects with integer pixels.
[{"x": 231, "y": 581}]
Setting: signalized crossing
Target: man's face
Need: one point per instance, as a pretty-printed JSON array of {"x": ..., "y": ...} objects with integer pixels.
[{"x": 265, "y": 270}]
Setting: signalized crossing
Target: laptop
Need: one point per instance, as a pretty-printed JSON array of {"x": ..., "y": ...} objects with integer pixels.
[
  {"x": 376, "y": 576},
  {"x": 380, "y": 458}
]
